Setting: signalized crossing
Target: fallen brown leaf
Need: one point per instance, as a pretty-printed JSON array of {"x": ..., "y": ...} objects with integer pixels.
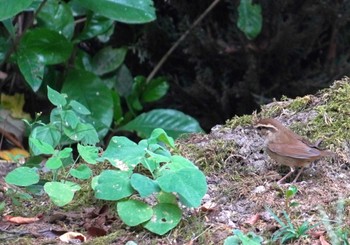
[
  {"x": 253, "y": 219},
  {"x": 72, "y": 237},
  {"x": 22, "y": 220},
  {"x": 323, "y": 241}
]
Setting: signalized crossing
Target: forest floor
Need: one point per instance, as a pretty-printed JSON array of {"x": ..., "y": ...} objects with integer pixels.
[{"x": 242, "y": 184}]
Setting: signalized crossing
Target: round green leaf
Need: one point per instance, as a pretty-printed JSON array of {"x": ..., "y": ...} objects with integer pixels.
[
  {"x": 10, "y": 8},
  {"x": 88, "y": 153},
  {"x": 107, "y": 60},
  {"x": 143, "y": 185},
  {"x": 166, "y": 216},
  {"x": 89, "y": 90},
  {"x": 49, "y": 46},
  {"x": 134, "y": 212},
  {"x": 53, "y": 163},
  {"x": 48, "y": 134},
  {"x": 141, "y": 11},
  {"x": 155, "y": 90},
  {"x": 84, "y": 132},
  {"x": 22, "y": 176},
  {"x": 81, "y": 172},
  {"x": 41, "y": 146},
  {"x": 173, "y": 122},
  {"x": 189, "y": 183},
  {"x": 32, "y": 69},
  {"x": 113, "y": 185},
  {"x": 60, "y": 193},
  {"x": 79, "y": 108},
  {"x": 57, "y": 16}
]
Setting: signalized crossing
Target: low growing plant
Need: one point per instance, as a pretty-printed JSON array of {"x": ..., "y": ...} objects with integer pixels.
[
  {"x": 146, "y": 180},
  {"x": 245, "y": 239}
]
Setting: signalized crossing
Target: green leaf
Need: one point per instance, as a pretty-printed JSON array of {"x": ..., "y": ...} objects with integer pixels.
[
  {"x": 177, "y": 163},
  {"x": 88, "y": 153},
  {"x": 123, "y": 153},
  {"x": 292, "y": 190},
  {"x": 41, "y": 146},
  {"x": 79, "y": 108},
  {"x": 143, "y": 185},
  {"x": 60, "y": 193},
  {"x": 57, "y": 16},
  {"x": 249, "y": 18},
  {"x": 89, "y": 90},
  {"x": 64, "y": 153},
  {"x": 189, "y": 183},
  {"x": 124, "y": 82},
  {"x": 68, "y": 118},
  {"x": 48, "y": 134},
  {"x": 166, "y": 216},
  {"x": 155, "y": 90},
  {"x": 32, "y": 69},
  {"x": 95, "y": 25},
  {"x": 159, "y": 135},
  {"x": 134, "y": 212},
  {"x": 108, "y": 59},
  {"x": 10, "y": 8},
  {"x": 22, "y": 176},
  {"x": 165, "y": 197},
  {"x": 124, "y": 11},
  {"x": 118, "y": 110},
  {"x": 113, "y": 185},
  {"x": 84, "y": 132},
  {"x": 53, "y": 163},
  {"x": 49, "y": 46},
  {"x": 81, "y": 172},
  {"x": 55, "y": 97},
  {"x": 173, "y": 122}
]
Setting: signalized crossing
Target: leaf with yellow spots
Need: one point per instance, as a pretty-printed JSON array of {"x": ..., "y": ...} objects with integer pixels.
[
  {"x": 15, "y": 104},
  {"x": 14, "y": 154}
]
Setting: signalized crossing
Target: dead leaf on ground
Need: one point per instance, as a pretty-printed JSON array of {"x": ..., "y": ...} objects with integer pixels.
[
  {"x": 253, "y": 219},
  {"x": 22, "y": 220},
  {"x": 323, "y": 241},
  {"x": 72, "y": 237},
  {"x": 208, "y": 206}
]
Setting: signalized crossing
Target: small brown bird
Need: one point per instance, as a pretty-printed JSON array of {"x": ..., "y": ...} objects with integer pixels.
[{"x": 288, "y": 148}]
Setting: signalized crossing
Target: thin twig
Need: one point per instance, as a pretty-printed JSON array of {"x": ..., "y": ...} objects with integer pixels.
[{"x": 177, "y": 43}]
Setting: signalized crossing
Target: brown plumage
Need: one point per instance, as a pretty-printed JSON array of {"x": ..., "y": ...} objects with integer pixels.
[{"x": 288, "y": 148}]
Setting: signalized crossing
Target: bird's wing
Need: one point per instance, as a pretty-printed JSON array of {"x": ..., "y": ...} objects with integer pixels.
[{"x": 300, "y": 151}]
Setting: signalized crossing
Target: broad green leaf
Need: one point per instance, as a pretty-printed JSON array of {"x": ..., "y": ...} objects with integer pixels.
[
  {"x": 249, "y": 18},
  {"x": 166, "y": 216},
  {"x": 22, "y": 176},
  {"x": 53, "y": 163},
  {"x": 79, "y": 108},
  {"x": 64, "y": 153},
  {"x": 107, "y": 60},
  {"x": 88, "y": 89},
  {"x": 159, "y": 135},
  {"x": 57, "y": 16},
  {"x": 143, "y": 185},
  {"x": 68, "y": 118},
  {"x": 32, "y": 69},
  {"x": 165, "y": 197},
  {"x": 134, "y": 212},
  {"x": 173, "y": 122},
  {"x": 10, "y": 8},
  {"x": 81, "y": 172},
  {"x": 82, "y": 61},
  {"x": 84, "y": 132},
  {"x": 155, "y": 90},
  {"x": 74, "y": 186},
  {"x": 88, "y": 153},
  {"x": 141, "y": 11},
  {"x": 60, "y": 193},
  {"x": 113, "y": 185},
  {"x": 118, "y": 110},
  {"x": 95, "y": 25},
  {"x": 49, "y": 46},
  {"x": 177, "y": 163},
  {"x": 125, "y": 81},
  {"x": 48, "y": 134},
  {"x": 189, "y": 183},
  {"x": 55, "y": 97},
  {"x": 123, "y": 153},
  {"x": 41, "y": 146}
]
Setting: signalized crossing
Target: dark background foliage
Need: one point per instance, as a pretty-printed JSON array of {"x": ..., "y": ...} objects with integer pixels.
[{"x": 217, "y": 72}]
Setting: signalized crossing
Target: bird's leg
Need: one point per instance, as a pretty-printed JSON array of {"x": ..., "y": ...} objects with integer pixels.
[
  {"x": 300, "y": 171},
  {"x": 287, "y": 175}
]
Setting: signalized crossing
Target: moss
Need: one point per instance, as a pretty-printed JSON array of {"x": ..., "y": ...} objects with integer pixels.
[
  {"x": 299, "y": 103},
  {"x": 244, "y": 120}
]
